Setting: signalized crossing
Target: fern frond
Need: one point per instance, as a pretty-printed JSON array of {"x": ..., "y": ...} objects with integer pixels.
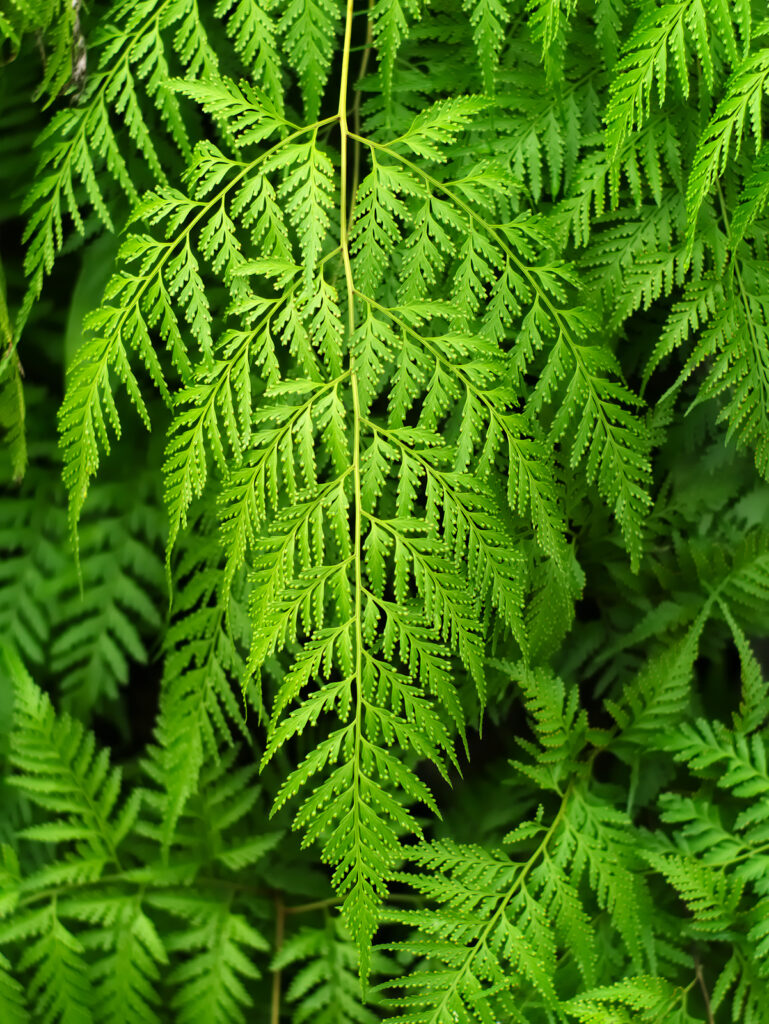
[
  {"x": 60, "y": 987},
  {"x": 549, "y": 20},
  {"x": 487, "y": 938},
  {"x": 132, "y": 85},
  {"x": 389, "y": 26},
  {"x": 13, "y": 1003},
  {"x": 393, "y": 338},
  {"x": 742, "y": 760},
  {"x": 747, "y": 988},
  {"x": 100, "y": 633},
  {"x": 439, "y": 125},
  {"x": 710, "y": 895},
  {"x": 309, "y": 28},
  {"x": 89, "y": 410},
  {"x": 489, "y": 19},
  {"x": 754, "y": 705},
  {"x": 58, "y": 769},
  {"x": 56, "y": 24},
  {"x": 204, "y": 659},
  {"x": 30, "y": 542},
  {"x": 79, "y": 137},
  {"x": 660, "y": 39},
  {"x": 649, "y": 999},
  {"x": 218, "y": 945},
  {"x": 326, "y": 987},
  {"x": 661, "y": 692},
  {"x": 606, "y": 432},
  {"x": 732, "y": 322},
  {"x": 739, "y": 111},
  {"x": 754, "y": 197},
  {"x": 500, "y": 921},
  {"x": 126, "y": 978},
  {"x": 254, "y": 31}
]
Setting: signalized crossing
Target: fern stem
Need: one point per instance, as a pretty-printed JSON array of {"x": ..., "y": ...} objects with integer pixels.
[
  {"x": 308, "y": 908},
  {"x": 280, "y": 923},
  {"x": 704, "y": 990},
  {"x": 345, "y": 134}
]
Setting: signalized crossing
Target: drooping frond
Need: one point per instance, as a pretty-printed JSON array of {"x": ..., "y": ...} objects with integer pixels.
[
  {"x": 740, "y": 111},
  {"x": 446, "y": 330}
]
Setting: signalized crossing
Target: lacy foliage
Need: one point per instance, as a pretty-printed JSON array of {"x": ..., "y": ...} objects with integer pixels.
[{"x": 427, "y": 389}]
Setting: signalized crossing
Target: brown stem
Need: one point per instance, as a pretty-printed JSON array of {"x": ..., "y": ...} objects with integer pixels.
[
  {"x": 79, "y": 52},
  {"x": 704, "y": 989},
  {"x": 280, "y": 923},
  {"x": 306, "y": 908}
]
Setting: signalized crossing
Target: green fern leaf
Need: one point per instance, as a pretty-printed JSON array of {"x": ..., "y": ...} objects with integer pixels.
[
  {"x": 219, "y": 946},
  {"x": 58, "y": 768},
  {"x": 13, "y": 1002},
  {"x": 310, "y": 28},
  {"x": 740, "y": 110}
]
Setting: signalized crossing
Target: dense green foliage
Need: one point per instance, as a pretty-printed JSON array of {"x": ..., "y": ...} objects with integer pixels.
[{"x": 384, "y": 408}]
